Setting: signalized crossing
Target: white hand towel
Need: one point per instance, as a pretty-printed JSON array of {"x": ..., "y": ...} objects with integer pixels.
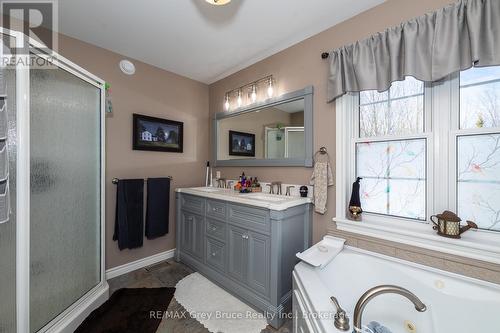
[{"x": 321, "y": 178}]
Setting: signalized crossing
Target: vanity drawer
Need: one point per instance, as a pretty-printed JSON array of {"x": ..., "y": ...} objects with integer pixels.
[
  {"x": 216, "y": 209},
  {"x": 216, "y": 254},
  {"x": 193, "y": 204},
  {"x": 251, "y": 218},
  {"x": 216, "y": 229}
]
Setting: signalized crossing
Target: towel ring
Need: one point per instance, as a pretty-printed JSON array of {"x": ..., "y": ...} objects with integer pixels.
[{"x": 321, "y": 151}]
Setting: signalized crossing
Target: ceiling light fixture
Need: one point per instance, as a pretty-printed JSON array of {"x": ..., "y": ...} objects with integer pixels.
[{"x": 218, "y": 2}]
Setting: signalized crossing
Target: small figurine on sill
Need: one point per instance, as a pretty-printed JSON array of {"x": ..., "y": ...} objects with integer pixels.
[{"x": 355, "y": 210}]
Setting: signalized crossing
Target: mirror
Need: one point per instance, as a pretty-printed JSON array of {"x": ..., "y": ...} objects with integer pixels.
[{"x": 275, "y": 133}]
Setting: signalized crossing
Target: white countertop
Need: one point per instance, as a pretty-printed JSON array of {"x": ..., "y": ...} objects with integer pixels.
[{"x": 264, "y": 200}]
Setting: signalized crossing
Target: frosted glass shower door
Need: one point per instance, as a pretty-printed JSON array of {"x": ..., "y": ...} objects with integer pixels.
[
  {"x": 8, "y": 228},
  {"x": 65, "y": 257},
  {"x": 295, "y": 143}
]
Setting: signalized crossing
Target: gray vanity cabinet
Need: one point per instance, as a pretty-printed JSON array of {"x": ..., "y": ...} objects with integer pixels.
[
  {"x": 238, "y": 253},
  {"x": 259, "y": 263},
  {"x": 249, "y": 259},
  {"x": 247, "y": 250},
  {"x": 191, "y": 226}
]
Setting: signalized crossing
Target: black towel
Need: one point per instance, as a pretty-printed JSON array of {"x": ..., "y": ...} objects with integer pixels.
[
  {"x": 158, "y": 207},
  {"x": 129, "y": 219}
]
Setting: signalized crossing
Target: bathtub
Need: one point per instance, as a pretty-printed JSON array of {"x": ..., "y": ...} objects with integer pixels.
[{"x": 455, "y": 303}]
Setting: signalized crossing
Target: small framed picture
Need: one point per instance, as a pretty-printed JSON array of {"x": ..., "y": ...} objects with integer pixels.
[
  {"x": 157, "y": 134},
  {"x": 241, "y": 144}
]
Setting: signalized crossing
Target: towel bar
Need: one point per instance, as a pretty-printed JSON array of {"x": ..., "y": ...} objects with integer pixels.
[{"x": 116, "y": 180}]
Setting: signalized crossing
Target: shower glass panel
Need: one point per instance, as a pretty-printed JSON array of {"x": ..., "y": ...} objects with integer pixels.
[
  {"x": 65, "y": 192},
  {"x": 8, "y": 229}
]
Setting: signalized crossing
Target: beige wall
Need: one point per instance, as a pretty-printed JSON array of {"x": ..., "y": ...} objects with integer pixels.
[
  {"x": 301, "y": 65},
  {"x": 155, "y": 92}
]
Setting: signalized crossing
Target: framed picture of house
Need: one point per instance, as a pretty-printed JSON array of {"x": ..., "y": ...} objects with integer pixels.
[
  {"x": 241, "y": 144},
  {"x": 157, "y": 134}
]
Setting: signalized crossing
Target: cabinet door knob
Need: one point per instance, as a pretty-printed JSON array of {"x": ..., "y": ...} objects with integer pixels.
[
  {"x": 214, "y": 228},
  {"x": 214, "y": 209},
  {"x": 214, "y": 254},
  {"x": 244, "y": 236}
]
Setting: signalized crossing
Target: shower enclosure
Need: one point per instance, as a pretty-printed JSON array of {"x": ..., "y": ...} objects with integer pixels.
[{"x": 51, "y": 190}]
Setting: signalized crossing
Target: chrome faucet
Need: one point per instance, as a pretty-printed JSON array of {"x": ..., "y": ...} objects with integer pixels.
[
  {"x": 341, "y": 319},
  {"x": 221, "y": 183},
  {"x": 278, "y": 185},
  {"x": 379, "y": 290}
]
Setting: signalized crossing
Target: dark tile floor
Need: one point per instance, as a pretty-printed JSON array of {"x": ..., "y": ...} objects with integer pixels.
[{"x": 167, "y": 274}]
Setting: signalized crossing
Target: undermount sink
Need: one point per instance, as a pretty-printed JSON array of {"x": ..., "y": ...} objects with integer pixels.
[
  {"x": 208, "y": 189},
  {"x": 265, "y": 197}
]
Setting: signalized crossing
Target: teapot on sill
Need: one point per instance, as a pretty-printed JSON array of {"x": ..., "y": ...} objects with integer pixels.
[{"x": 448, "y": 224}]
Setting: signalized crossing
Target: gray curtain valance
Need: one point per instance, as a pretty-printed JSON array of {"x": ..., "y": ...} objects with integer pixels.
[{"x": 429, "y": 47}]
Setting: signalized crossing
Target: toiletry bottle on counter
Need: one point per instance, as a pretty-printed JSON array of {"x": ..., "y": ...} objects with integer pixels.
[
  {"x": 256, "y": 182},
  {"x": 207, "y": 174},
  {"x": 211, "y": 184}
]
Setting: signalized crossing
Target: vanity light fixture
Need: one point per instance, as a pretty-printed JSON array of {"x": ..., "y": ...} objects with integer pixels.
[
  {"x": 254, "y": 93},
  {"x": 226, "y": 104},
  {"x": 240, "y": 101},
  {"x": 250, "y": 90},
  {"x": 270, "y": 89},
  {"x": 218, "y": 2}
]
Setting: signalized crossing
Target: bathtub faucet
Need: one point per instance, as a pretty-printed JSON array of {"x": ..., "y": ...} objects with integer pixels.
[
  {"x": 379, "y": 290},
  {"x": 341, "y": 318}
]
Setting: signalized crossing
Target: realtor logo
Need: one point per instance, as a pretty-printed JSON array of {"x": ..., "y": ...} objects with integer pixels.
[{"x": 36, "y": 19}]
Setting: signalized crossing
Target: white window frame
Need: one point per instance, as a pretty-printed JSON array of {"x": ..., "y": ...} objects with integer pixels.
[{"x": 441, "y": 129}]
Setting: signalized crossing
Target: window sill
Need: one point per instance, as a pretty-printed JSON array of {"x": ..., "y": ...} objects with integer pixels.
[{"x": 479, "y": 245}]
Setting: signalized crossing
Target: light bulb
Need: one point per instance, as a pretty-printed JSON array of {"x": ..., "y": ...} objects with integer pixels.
[
  {"x": 270, "y": 90},
  {"x": 254, "y": 93},
  {"x": 226, "y": 104},
  {"x": 218, "y": 2},
  {"x": 240, "y": 101}
]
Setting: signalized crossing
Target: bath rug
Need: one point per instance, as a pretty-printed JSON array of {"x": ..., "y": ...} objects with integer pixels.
[
  {"x": 129, "y": 311},
  {"x": 215, "y": 308}
]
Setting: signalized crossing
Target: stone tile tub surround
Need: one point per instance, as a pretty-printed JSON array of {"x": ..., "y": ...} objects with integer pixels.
[{"x": 472, "y": 268}]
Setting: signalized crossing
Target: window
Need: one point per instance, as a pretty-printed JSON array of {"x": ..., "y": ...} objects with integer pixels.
[
  {"x": 394, "y": 179},
  {"x": 478, "y": 147},
  {"x": 424, "y": 148},
  {"x": 397, "y": 111},
  {"x": 391, "y": 150}
]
